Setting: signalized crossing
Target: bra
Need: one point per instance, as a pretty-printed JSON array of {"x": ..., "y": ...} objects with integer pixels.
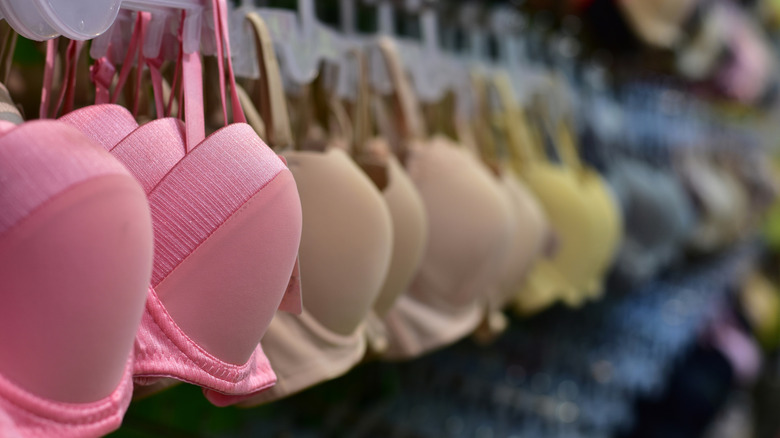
[
  {"x": 532, "y": 234},
  {"x": 166, "y": 346},
  {"x": 73, "y": 212},
  {"x": 657, "y": 219},
  {"x": 608, "y": 233},
  {"x": 606, "y": 229},
  {"x": 410, "y": 234},
  {"x": 567, "y": 273},
  {"x": 564, "y": 273},
  {"x": 344, "y": 253},
  {"x": 469, "y": 223},
  {"x": 227, "y": 224}
]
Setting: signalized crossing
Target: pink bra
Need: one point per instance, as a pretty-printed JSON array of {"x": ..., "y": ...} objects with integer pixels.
[
  {"x": 227, "y": 224},
  {"x": 68, "y": 206}
]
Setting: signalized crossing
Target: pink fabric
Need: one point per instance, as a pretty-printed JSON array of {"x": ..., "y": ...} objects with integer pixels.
[
  {"x": 61, "y": 161},
  {"x": 162, "y": 349},
  {"x": 132, "y": 51},
  {"x": 39, "y": 162},
  {"x": 198, "y": 203},
  {"x": 102, "y": 74},
  {"x": 192, "y": 202},
  {"x": 223, "y": 40},
  {"x": 68, "y": 87},
  {"x": 192, "y": 85},
  {"x": 208, "y": 186},
  {"x": 25, "y": 415},
  {"x": 48, "y": 78},
  {"x": 153, "y": 153},
  {"x": 105, "y": 124}
]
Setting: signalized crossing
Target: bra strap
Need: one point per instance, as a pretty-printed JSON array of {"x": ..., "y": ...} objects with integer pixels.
[
  {"x": 48, "y": 78},
  {"x": 68, "y": 88},
  {"x": 192, "y": 87},
  {"x": 130, "y": 58},
  {"x": 273, "y": 104},
  {"x": 223, "y": 50}
]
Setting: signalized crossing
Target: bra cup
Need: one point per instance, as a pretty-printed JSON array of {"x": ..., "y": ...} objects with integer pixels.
[
  {"x": 222, "y": 275},
  {"x": 410, "y": 235},
  {"x": 608, "y": 230},
  {"x": 74, "y": 268},
  {"x": 468, "y": 219},
  {"x": 596, "y": 234},
  {"x": 346, "y": 245},
  {"x": 247, "y": 264},
  {"x": 505, "y": 251},
  {"x": 651, "y": 225},
  {"x": 105, "y": 124},
  {"x": 569, "y": 214},
  {"x": 531, "y": 234},
  {"x": 152, "y": 150}
]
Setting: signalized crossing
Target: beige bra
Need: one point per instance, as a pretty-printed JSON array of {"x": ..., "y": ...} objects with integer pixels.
[
  {"x": 529, "y": 230},
  {"x": 531, "y": 237},
  {"x": 410, "y": 222},
  {"x": 469, "y": 221},
  {"x": 344, "y": 256}
]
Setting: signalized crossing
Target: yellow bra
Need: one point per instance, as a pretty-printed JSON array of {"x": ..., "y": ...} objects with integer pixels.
[
  {"x": 570, "y": 209},
  {"x": 608, "y": 230}
]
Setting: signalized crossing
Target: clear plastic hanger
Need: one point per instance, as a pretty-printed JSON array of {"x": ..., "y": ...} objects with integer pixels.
[
  {"x": 506, "y": 26},
  {"x": 300, "y": 39},
  {"x": 431, "y": 71},
  {"x": 45, "y": 19}
]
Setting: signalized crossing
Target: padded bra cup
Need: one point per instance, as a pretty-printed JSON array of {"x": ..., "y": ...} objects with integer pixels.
[
  {"x": 469, "y": 225},
  {"x": 347, "y": 238},
  {"x": 68, "y": 209},
  {"x": 345, "y": 254},
  {"x": 607, "y": 227},
  {"x": 531, "y": 233},
  {"x": 410, "y": 224},
  {"x": 560, "y": 194},
  {"x": 657, "y": 218}
]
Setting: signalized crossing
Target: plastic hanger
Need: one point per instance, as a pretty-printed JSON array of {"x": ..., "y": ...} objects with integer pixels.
[
  {"x": 45, "y": 19},
  {"x": 301, "y": 41},
  {"x": 424, "y": 60}
]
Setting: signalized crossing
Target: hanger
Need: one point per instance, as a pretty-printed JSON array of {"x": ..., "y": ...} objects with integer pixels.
[
  {"x": 430, "y": 70},
  {"x": 45, "y": 19},
  {"x": 300, "y": 39}
]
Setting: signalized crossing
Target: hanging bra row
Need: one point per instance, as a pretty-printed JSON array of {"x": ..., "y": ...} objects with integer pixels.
[{"x": 134, "y": 257}]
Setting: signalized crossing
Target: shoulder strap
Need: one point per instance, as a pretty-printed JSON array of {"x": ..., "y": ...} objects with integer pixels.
[{"x": 273, "y": 104}]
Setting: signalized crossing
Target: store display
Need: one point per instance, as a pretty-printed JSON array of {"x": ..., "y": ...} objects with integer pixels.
[{"x": 446, "y": 218}]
